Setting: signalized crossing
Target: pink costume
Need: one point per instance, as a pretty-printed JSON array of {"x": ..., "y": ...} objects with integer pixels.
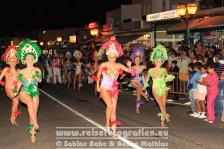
[
  {"x": 212, "y": 92},
  {"x": 109, "y": 81},
  {"x": 11, "y": 80}
]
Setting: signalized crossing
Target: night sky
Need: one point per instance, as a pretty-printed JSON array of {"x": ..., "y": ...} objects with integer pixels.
[{"x": 52, "y": 15}]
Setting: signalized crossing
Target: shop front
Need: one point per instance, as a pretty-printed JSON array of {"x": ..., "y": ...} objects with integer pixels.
[
  {"x": 209, "y": 28},
  {"x": 161, "y": 22}
]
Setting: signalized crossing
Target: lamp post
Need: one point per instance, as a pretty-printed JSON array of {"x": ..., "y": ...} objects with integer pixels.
[
  {"x": 59, "y": 40},
  {"x": 94, "y": 32},
  {"x": 186, "y": 12}
]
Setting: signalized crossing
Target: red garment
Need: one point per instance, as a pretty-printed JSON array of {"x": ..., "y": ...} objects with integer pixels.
[{"x": 56, "y": 63}]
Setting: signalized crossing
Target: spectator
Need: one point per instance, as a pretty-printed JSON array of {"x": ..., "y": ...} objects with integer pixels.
[
  {"x": 190, "y": 87},
  {"x": 201, "y": 93},
  {"x": 211, "y": 81},
  {"x": 174, "y": 69},
  {"x": 196, "y": 76}
]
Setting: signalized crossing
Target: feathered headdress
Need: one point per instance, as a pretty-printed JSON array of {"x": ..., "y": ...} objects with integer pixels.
[
  {"x": 95, "y": 54},
  {"x": 114, "y": 46},
  {"x": 137, "y": 52},
  {"x": 159, "y": 52},
  {"x": 28, "y": 48},
  {"x": 68, "y": 54},
  {"x": 11, "y": 51},
  {"x": 77, "y": 53}
]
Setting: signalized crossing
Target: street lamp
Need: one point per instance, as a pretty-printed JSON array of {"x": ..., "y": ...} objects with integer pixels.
[
  {"x": 41, "y": 43},
  {"x": 94, "y": 32},
  {"x": 186, "y": 12},
  {"x": 59, "y": 40}
]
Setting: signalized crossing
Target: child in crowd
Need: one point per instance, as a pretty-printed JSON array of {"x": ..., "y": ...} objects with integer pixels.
[
  {"x": 196, "y": 76},
  {"x": 190, "y": 86},
  {"x": 202, "y": 92}
]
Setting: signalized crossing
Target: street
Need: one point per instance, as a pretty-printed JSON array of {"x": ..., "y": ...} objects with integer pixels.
[{"x": 65, "y": 109}]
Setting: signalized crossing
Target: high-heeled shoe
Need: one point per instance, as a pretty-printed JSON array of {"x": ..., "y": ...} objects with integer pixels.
[
  {"x": 33, "y": 135},
  {"x": 147, "y": 98},
  {"x": 13, "y": 119},
  {"x": 162, "y": 124},
  {"x": 33, "y": 132},
  {"x": 168, "y": 122},
  {"x": 108, "y": 131},
  {"x": 137, "y": 110},
  {"x": 14, "y": 123},
  {"x": 32, "y": 129},
  {"x": 113, "y": 128},
  {"x": 138, "y": 103}
]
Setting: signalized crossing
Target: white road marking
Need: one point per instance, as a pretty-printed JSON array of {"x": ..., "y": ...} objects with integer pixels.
[{"x": 91, "y": 121}]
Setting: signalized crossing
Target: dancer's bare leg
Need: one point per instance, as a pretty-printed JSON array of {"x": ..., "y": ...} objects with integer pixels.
[
  {"x": 113, "y": 115},
  {"x": 80, "y": 81},
  {"x": 15, "y": 104},
  {"x": 160, "y": 103},
  {"x": 65, "y": 77},
  {"x": 74, "y": 82},
  {"x": 69, "y": 79},
  {"x": 107, "y": 99},
  {"x": 25, "y": 98},
  {"x": 31, "y": 105},
  {"x": 139, "y": 89},
  {"x": 164, "y": 99}
]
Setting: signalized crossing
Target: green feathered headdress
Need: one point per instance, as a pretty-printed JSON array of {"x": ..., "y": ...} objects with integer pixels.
[
  {"x": 159, "y": 52},
  {"x": 28, "y": 48}
]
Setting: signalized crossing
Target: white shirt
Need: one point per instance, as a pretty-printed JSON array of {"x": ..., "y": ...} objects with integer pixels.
[
  {"x": 183, "y": 64},
  {"x": 202, "y": 88}
]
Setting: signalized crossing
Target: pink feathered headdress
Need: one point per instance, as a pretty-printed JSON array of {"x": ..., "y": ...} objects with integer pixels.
[{"x": 113, "y": 45}]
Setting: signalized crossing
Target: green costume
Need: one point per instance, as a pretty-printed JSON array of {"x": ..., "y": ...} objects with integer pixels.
[
  {"x": 30, "y": 86},
  {"x": 159, "y": 82}
]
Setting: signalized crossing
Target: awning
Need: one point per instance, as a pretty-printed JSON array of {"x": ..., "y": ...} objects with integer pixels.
[
  {"x": 208, "y": 23},
  {"x": 182, "y": 26}
]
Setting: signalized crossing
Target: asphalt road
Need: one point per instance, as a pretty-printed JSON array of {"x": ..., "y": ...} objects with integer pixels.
[{"x": 64, "y": 112}]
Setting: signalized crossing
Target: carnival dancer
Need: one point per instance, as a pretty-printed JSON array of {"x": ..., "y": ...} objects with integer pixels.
[
  {"x": 108, "y": 87},
  {"x": 78, "y": 69},
  {"x": 160, "y": 77},
  {"x": 137, "y": 80},
  {"x": 29, "y": 78},
  {"x": 94, "y": 66},
  {"x": 67, "y": 68},
  {"x": 11, "y": 79}
]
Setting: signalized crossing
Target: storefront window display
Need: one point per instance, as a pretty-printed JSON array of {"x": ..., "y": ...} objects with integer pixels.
[{"x": 211, "y": 38}]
